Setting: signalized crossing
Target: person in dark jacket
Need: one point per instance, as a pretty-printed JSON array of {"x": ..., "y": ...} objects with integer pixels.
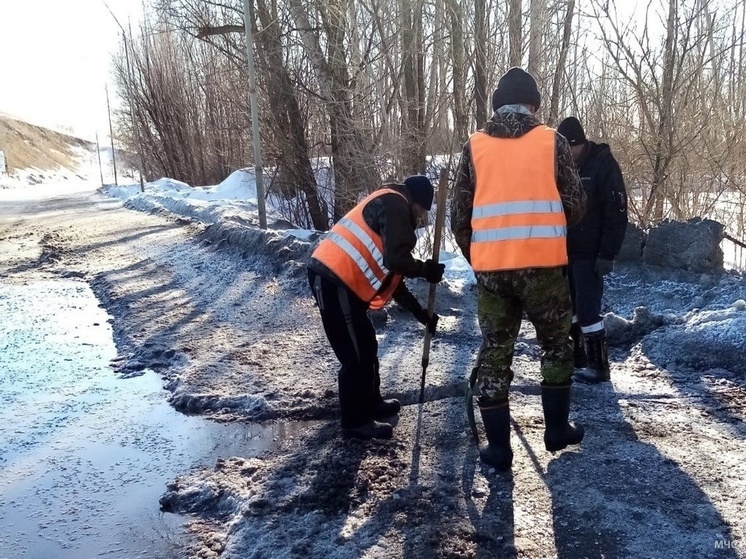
[
  {"x": 516, "y": 190},
  {"x": 360, "y": 265},
  {"x": 592, "y": 247}
]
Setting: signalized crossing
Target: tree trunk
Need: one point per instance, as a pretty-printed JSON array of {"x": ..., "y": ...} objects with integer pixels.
[
  {"x": 414, "y": 87},
  {"x": 460, "y": 114},
  {"x": 559, "y": 71},
  {"x": 662, "y": 155},
  {"x": 480, "y": 62},
  {"x": 289, "y": 121},
  {"x": 515, "y": 33},
  {"x": 536, "y": 13},
  {"x": 354, "y": 171}
]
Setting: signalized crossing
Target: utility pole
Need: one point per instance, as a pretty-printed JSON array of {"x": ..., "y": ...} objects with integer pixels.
[
  {"x": 111, "y": 136},
  {"x": 129, "y": 81},
  {"x": 136, "y": 128},
  {"x": 256, "y": 140},
  {"x": 98, "y": 152}
]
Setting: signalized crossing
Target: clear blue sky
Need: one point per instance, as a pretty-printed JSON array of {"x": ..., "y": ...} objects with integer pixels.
[{"x": 55, "y": 58}]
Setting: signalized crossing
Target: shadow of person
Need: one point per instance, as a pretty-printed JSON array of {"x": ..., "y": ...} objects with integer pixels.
[
  {"x": 700, "y": 382},
  {"x": 494, "y": 526},
  {"x": 335, "y": 487},
  {"x": 622, "y": 498}
]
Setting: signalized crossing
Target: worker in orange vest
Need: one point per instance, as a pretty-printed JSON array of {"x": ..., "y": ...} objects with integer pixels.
[
  {"x": 360, "y": 265},
  {"x": 516, "y": 190}
]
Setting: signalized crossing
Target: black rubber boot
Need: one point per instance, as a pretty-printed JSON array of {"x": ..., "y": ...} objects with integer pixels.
[
  {"x": 370, "y": 430},
  {"x": 598, "y": 359},
  {"x": 558, "y": 431},
  {"x": 385, "y": 409},
  {"x": 497, "y": 453},
  {"x": 579, "y": 357}
]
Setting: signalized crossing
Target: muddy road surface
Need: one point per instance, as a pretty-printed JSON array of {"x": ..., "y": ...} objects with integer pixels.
[{"x": 235, "y": 339}]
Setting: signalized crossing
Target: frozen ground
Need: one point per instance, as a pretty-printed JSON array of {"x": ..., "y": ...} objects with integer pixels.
[{"x": 660, "y": 474}]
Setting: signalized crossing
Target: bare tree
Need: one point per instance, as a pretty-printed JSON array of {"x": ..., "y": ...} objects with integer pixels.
[
  {"x": 559, "y": 71},
  {"x": 354, "y": 169},
  {"x": 515, "y": 32},
  {"x": 480, "y": 61}
]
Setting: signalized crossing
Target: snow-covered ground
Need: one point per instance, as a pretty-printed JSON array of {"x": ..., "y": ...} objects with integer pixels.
[
  {"x": 659, "y": 475},
  {"x": 699, "y": 311}
]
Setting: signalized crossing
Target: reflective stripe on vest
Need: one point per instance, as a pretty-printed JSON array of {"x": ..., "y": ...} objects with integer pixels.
[
  {"x": 354, "y": 253},
  {"x": 358, "y": 258},
  {"x": 518, "y": 220},
  {"x": 525, "y": 232}
]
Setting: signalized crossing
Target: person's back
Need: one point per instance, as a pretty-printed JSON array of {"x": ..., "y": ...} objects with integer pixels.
[{"x": 516, "y": 191}]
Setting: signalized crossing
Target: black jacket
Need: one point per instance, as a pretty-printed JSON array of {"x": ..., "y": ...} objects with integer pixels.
[
  {"x": 391, "y": 217},
  {"x": 601, "y": 231}
]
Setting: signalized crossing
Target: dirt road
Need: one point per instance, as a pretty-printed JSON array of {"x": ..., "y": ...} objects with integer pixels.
[{"x": 661, "y": 472}]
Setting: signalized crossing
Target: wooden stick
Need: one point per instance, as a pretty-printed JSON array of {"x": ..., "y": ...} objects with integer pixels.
[{"x": 439, "y": 219}]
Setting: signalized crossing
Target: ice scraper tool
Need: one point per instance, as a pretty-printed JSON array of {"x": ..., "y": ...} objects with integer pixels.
[{"x": 440, "y": 215}]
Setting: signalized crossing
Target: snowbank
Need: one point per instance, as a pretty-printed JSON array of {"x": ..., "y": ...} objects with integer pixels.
[{"x": 676, "y": 311}]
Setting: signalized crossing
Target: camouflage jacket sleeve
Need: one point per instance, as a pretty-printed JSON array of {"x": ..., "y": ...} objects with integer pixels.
[
  {"x": 568, "y": 183},
  {"x": 462, "y": 202}
]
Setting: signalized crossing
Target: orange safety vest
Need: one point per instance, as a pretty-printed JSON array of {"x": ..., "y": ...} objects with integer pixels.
[
  {"x": 354, "y": 252},
  {"x": 517, "y": 220}
]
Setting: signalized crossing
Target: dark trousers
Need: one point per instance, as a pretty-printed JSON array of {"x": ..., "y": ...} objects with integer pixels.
[
  {"x": 353, "y": 339},
  {"x": 586, "y": 291}
]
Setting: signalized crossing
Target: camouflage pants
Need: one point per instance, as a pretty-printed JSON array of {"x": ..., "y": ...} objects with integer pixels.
[{"x": 544, "y": 295}]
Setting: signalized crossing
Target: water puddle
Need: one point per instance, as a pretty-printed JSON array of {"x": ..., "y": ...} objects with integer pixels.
[{"x": 84, "y": 455}]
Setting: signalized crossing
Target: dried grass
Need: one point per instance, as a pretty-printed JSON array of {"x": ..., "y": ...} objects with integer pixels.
[{"x": 27, "y": 145}]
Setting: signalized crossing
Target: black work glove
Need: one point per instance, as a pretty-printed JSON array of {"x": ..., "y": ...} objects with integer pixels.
[
  {"x": 425, "y": 319},
  {"x": 604, "y": 267},
  {"x": 432, "y": 271}
]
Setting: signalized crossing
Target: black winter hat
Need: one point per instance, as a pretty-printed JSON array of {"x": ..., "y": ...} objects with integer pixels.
[
  {"x": 516, "y": 87},
  {"x": 420, "y": 190},
  {"x": 571, "y": 129}
]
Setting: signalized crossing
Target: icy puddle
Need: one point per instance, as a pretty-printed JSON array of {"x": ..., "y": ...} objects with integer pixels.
[{"x": 84, "y": 455}]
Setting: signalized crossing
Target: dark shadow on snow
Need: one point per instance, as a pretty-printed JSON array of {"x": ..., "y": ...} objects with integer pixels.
[{"x": 620, "y": 497}]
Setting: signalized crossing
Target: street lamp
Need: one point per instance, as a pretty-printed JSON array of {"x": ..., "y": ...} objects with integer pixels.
[{"x": 256, "y": 140}]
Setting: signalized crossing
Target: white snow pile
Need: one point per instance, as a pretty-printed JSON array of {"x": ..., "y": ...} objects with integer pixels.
[
  {"x": 230, "y": 211},
  {"x": 685, "y": 318},
  {"x": 707, "y": 339},
  {"x": 245, "y": 404}
]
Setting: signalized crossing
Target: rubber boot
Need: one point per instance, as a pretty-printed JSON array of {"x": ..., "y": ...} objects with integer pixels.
[
  {"x": 382, "y": 409},
  {"x": 598, "y": 359},
  {"x": 558, "y": 431},
  {"x": 385, "y": 409},
  {"x": 579, "y": 357},
  {"x": 497, "y": 452}
]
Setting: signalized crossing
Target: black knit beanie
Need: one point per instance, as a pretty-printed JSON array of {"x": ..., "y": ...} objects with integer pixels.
[
  {"x": 571, "y": 129},
  {"x": 516, "y": 87},
  {"x": 420, "y": 190}
]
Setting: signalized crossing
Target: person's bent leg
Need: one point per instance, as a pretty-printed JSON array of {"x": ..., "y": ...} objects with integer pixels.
[{"x": 353, "y": 339}]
